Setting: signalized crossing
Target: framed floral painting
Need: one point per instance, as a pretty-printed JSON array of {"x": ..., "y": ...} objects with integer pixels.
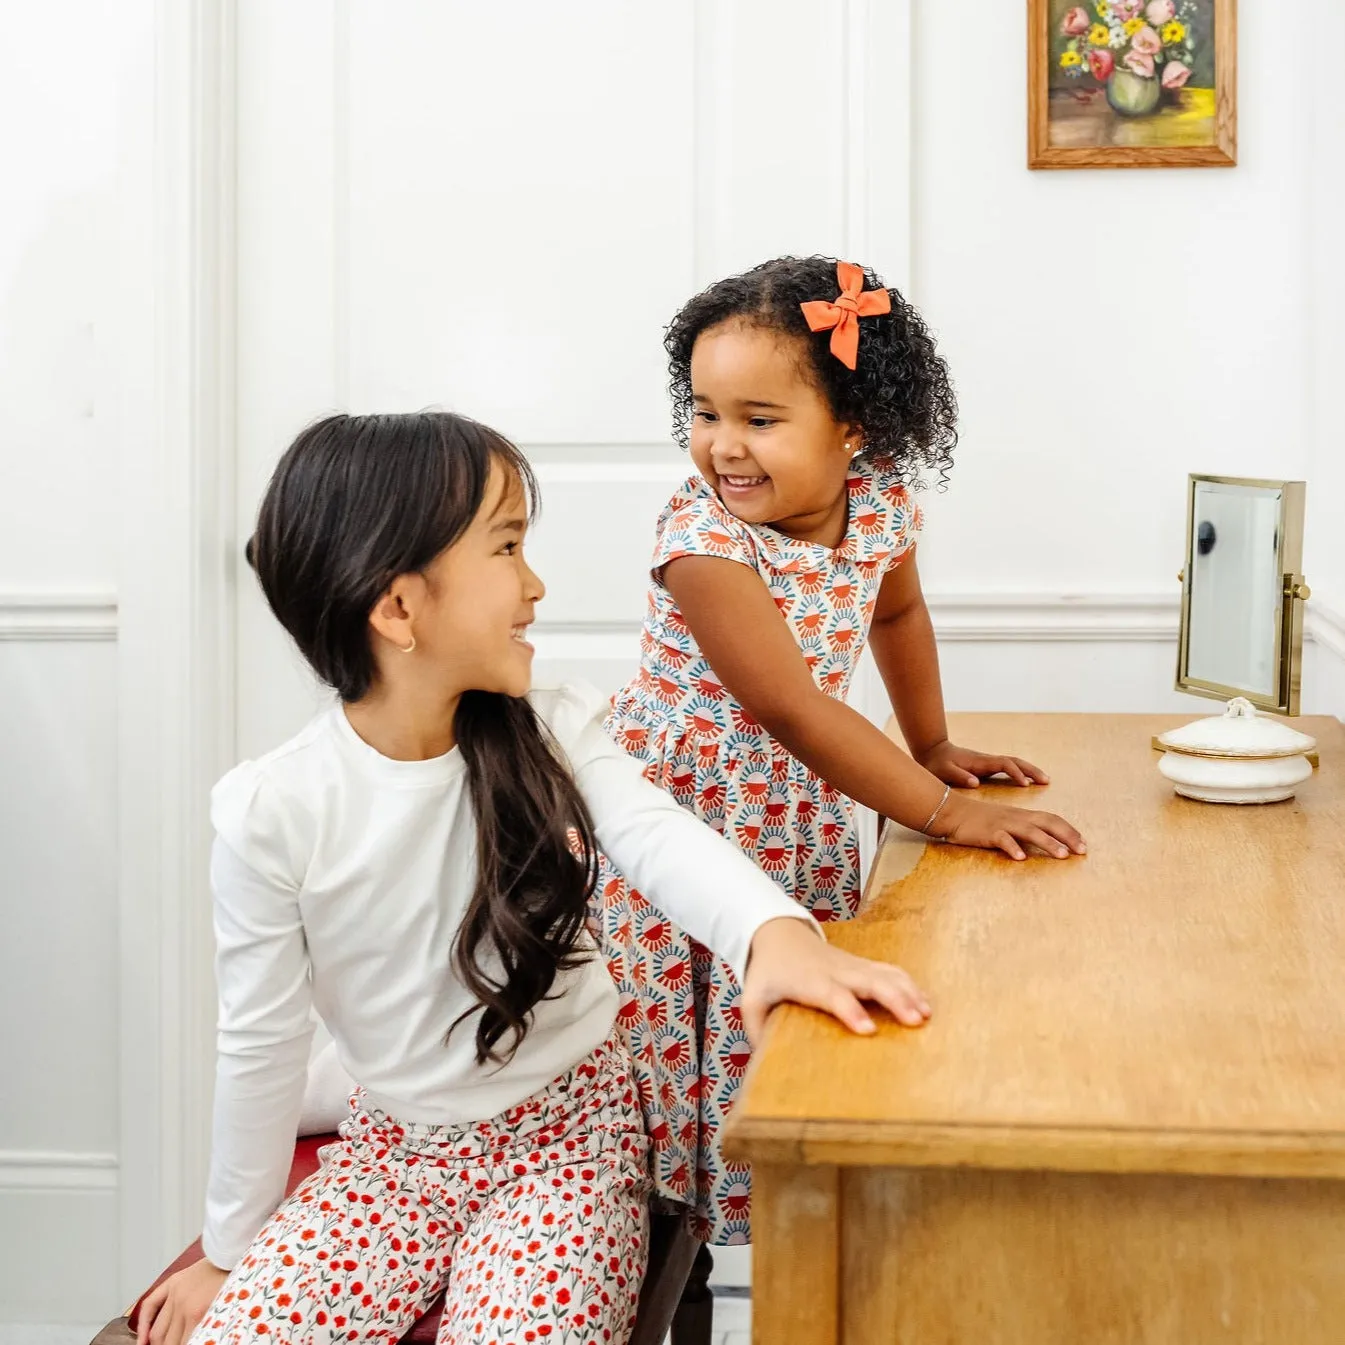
[{"x": 1132, "y": 84}]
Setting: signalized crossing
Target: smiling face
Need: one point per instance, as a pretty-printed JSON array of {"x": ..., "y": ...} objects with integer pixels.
[
  {"x": 764, "y": 436},
  {"x": 480, "y": 597}
]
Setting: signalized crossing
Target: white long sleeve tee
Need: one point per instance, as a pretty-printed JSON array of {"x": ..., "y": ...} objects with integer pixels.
[{"x": 340, "y": 880}]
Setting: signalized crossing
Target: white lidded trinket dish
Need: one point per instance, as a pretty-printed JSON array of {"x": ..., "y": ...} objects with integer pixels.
[{"x": 1236, "y": 757}]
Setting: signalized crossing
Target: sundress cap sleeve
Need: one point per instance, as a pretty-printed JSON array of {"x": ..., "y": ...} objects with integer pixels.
[{"x": 695, "y": 523}]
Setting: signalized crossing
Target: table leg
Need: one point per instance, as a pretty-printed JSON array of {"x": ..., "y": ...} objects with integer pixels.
[{"x": 795, "y": 1255}]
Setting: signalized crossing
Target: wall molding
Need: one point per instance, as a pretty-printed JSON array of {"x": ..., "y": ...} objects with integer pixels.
[
  {"x": 597, "y": 629},
  {"x": 69, "y": 616},
  {"x": 970, "y": 616},
  {"x": 57, "y": 1170},
  {"x": 1122, "y": 617},
  {"x": 1021, "y": 617},
  {"x": 1045, "y": 617}
]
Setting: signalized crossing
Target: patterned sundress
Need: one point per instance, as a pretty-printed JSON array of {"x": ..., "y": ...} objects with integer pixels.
[{"x": 680, "y": 1004}]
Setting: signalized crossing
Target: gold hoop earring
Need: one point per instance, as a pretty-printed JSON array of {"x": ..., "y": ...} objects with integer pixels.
[{"x": 411, "y": 648}]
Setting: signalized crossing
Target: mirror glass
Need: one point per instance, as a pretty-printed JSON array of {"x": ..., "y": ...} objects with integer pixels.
[{"x": 1235, "y": 574}]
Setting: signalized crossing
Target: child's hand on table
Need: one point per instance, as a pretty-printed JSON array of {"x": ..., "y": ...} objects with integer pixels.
[
  {"x": 964, "y": 768},
  {"x": 789, "y": 962},
  {"x": 174, "y": 1310},
  {"x": 996, "y": 826}
]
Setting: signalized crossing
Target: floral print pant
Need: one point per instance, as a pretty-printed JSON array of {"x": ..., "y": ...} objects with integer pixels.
[{"x": 534, "y": 1222}]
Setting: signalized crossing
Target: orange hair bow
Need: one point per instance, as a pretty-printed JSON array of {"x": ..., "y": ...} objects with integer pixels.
[{"x": 841, "y": 315}]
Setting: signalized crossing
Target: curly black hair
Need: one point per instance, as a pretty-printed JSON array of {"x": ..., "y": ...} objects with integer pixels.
[{"x": 899, "y": 391}]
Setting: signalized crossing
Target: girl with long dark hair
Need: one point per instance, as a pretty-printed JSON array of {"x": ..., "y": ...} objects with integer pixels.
[{"x": 416, "y": 865}]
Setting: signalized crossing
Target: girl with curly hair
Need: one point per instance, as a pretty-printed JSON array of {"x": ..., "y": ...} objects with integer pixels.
[{"x": 810, "y": 415}]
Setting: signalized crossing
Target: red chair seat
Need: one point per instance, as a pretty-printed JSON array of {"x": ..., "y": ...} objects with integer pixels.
[{"x": 305, "y": 1163}]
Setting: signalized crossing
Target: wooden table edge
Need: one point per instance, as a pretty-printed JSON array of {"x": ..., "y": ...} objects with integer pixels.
[
  {"x": 1204, "y": 1153},
  {"x": 852, "y": 1143}
]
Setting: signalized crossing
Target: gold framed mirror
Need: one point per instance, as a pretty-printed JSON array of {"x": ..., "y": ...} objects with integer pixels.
[{"x": 1243, "y": 592}]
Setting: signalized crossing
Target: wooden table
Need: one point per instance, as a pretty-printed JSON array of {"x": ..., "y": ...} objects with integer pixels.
[{"x": 1125, "y": 1123}]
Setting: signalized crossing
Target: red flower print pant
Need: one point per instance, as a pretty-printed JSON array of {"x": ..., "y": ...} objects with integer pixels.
[{"x": 535, "y": 1223}]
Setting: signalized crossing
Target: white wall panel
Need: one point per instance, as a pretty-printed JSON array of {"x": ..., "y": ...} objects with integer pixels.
[
  {"x": 59, "y": 252},
  {"x": 602, "y": 658},
  {"x": 595, "y": 537},
  {"x": 497, "y": 209},
  {"x": 774, "y": 139},
  {"x": 59, "y": 971},
  {"x": 58, "y": 837},
  {"x": 518, "y": 196},
  {"x": 57, "y": 1266}
]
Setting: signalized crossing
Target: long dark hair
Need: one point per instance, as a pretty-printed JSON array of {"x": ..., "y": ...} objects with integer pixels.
[
  {"x": 355, "y": 502},
  {"x": 899, "y": 390}
]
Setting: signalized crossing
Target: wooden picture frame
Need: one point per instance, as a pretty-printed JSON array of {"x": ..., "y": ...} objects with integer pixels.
[{"x": 1188, "y": 126}]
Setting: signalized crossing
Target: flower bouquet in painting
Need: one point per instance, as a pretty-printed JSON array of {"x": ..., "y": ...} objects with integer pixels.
[
  {"x": 1135, "y": 51},
  {"x": 1130, "y": 83}
]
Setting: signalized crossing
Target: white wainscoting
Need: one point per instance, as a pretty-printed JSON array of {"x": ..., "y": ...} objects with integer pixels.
[{"x": 59, "y": 974}]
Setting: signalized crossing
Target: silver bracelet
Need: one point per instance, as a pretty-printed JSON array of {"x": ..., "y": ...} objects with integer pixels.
[{"x": 947, "y": 790}]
